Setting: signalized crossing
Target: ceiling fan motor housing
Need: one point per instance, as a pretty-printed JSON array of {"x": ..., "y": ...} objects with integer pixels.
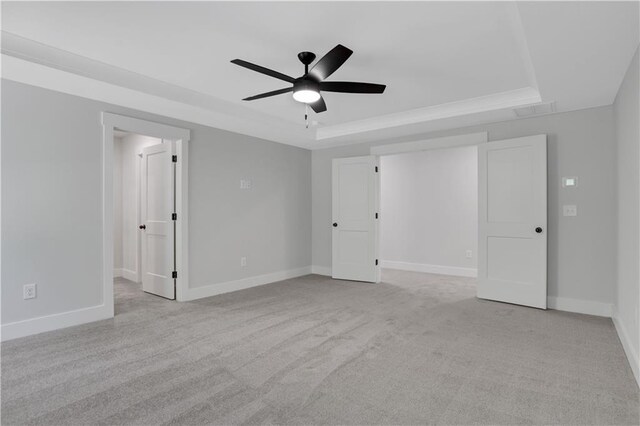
[{"x": 306, "y": 83}]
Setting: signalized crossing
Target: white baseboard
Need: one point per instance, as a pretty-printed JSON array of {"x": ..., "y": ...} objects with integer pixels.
[
  {"x": 431, "y": 269},
  {"x": 13, "y": 330},
  {"x": 117, "y": 272},
  {"x": 229, "y": 286},
  {"x": 632, "y": 355},
  {"x": 130, "y": 275},
  {"x": 580, "y": 306},
  {"x": 31, "y": 326},
  {"x": 321, "y": 270}
]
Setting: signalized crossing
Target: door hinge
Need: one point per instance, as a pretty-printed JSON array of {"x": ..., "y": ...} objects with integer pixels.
[
  {"x": 376, "y": 215},
  {"x": 376, "y": 262},
  {"x": 174, "y": 274},
  {"x": 174, "y": 158},
  {"x": 174, "y": 216},
  {"x": 376, "y": 169}
]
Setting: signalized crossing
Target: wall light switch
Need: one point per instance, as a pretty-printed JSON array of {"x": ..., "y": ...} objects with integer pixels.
[
  {"x": 570, "y": 210},
  {"x": 569, "y": 181}
]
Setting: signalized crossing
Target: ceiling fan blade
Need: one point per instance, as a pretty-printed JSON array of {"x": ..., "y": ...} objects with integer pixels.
[
  {"x": 319, "y": 105},
  {"x": 263, "y": 70},
  {"x": 351, "y": 87},
  {"x": 330, "y": 62},
  {"x": 267, "y": 94}
]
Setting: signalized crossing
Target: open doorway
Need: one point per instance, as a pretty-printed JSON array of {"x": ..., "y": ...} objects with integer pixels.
[
  {"x": 429, "y": 211},
  {"x": 145, "y": 227},
  {"x": 511, "y": 216},
  {"x": 133, "y": 187}
]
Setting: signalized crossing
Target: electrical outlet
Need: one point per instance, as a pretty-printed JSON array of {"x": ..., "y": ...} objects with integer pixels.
[
  {"x": 469, "y": 254},
  {"x": 569, "y": 210},
  {"x": 29, "y": 291},
  {"x": 243, "y": 261}
]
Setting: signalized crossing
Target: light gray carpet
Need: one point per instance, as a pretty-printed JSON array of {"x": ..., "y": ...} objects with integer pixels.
[{"x": 415, "y": 349}]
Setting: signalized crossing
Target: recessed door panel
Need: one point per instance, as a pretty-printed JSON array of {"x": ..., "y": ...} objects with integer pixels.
[
  {"x": 354, "y": 247},
  {"x": 510, "y": 182},
  {"x": 509, "y": 261},
  {"x": 353, "y": 192}
]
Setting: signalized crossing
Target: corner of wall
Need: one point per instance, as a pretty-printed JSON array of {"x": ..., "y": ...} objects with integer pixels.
[
  {"x": 626, "y": 110},
  {"x": 244, "y": 283},
  {"x": 624, "y": 336}
]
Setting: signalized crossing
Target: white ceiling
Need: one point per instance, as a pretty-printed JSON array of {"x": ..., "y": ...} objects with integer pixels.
[{"x": 453, "y": 63}]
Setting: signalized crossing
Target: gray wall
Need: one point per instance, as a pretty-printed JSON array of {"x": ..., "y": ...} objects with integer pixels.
[
  {"x": 429, "y": 207},
  {"x": 627, "y": 126},
  {"x": 581, "y": 254},
  {"x": 51, "y": 199}
]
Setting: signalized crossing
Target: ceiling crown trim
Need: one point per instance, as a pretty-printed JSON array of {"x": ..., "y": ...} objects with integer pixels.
[
  {"x": 37, "y": 64},
  {"x": 498, "y": 101}
]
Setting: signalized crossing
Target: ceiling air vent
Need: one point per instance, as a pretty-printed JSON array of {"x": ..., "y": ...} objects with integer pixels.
[{"x": 528, "y": 111}]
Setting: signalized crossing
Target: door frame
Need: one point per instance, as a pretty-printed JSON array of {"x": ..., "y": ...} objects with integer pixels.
[
  {"x": 472, "y": 139},
  {"x": 181, "y": 137},
  {"x": 469, "y": 139}
]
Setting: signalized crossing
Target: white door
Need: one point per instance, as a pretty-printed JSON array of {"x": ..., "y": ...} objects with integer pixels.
[
  {"x": 158, "y": 232},
  {"x": 512, "y": 209},
  {"x": 355, "y": 226}
]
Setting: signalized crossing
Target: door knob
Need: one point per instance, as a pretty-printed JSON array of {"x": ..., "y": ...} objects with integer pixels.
[
  {"x": 142, "y": 226},
  {"x": 539, "y": 230},
  {"x": 335, "y": 224}
]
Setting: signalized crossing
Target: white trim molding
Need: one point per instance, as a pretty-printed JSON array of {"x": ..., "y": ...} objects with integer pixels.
[
  {"x": 13, "y": 330},
  {"x": 321, "y": 270},
  {"x": 53, "y": 322},
  {"x": 181, "y": 137},
  {"x": 430, "y": 269},
  {"x": 244, "y": 283},
  {"x": 145, "y": 127},
  {"x": 497, "y": 101},
  {"x": 146, "y": 94},
  {"x": 435, "y": 143},
  {"x": 117, "y": 272},
  {"x": 630, "y": 352},
  {"x": 580, "y": 306},
  {"x": 130, "y": 275},
  {"x": 37, "y": 64}
]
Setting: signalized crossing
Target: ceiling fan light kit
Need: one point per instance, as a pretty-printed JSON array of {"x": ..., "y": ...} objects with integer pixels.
[
  {"x": 306, "y": 96},
  {"x": 306, "y": 89}
]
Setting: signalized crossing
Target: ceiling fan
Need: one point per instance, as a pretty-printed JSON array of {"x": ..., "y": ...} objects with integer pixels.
[{"x": 306, "y": 89}]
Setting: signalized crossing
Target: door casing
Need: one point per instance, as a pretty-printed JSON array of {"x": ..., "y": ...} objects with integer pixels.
[{"x": 181, "y": 137}]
